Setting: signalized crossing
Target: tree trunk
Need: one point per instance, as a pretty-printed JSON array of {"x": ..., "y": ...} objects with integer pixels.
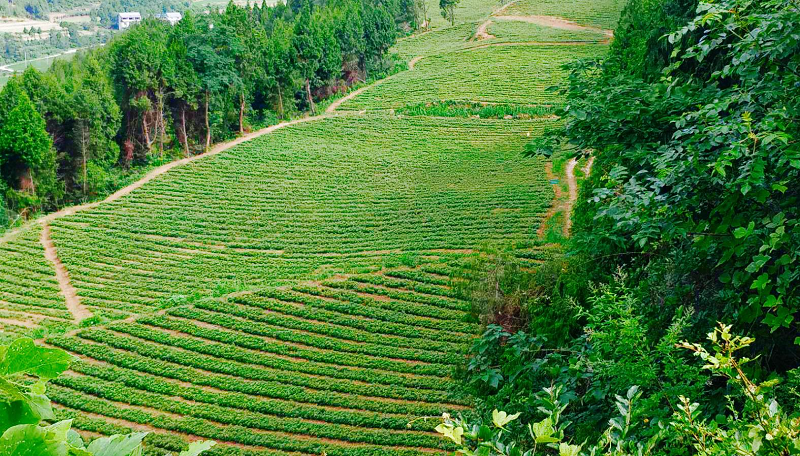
[
  {"x": 161, "y": 127},
  {"x": 146, "y": 131},
  {"x": 241, "y": 114},
  {"x": 208, "y": 126},
  {"x": 280, "y": 101},
  {"x": 310, "y": 101},
  {"x": 183, "y": 131},
  {"x": 83, "y": 155}
]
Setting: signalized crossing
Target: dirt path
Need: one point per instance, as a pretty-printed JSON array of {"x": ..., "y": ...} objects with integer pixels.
[
  {"x": 482, "y": 32},
  {"x": 548, "y": 170},
  {"x": 557, "y": 23},
  {"x": 414, "y": 61},
  {"x": 78, "y": 311},
  {"x": 572, "y": 183},
  {"x": 24, "y": 324}
]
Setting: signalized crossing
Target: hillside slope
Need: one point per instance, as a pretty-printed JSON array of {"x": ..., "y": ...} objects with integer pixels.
[{"x": 290, "y": 294}]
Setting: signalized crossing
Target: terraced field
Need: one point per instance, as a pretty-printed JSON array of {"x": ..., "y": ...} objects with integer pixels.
[
  {"x": 340, "y": 366},
  {"x": 602, "y": 14},
  {"x": 503, "y": 74},
  {"x": 291, "y": 295},
  {"x": 295, "y": 205},
  {"x": 29, "y": 293}
]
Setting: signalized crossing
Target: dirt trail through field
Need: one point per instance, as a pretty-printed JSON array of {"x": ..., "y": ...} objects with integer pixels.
[
  {"x": 548, "y": 170},
  {"x": 414, "y": 61},
  {"x": 556, "y": 22},
  {"x": 572, "y": 183},
  {"x": 78, "y": 311},
  {"x": 482, "y": 33},
  {"x": 12, "y": 322}
]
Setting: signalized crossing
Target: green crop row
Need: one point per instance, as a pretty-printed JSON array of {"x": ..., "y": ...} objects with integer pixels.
[
  {"x": 275, "y": 407},
  {"x": 230, "y": 433},
  {"x": 406, "y": 284},
  {"x": 225, "y": 416},
  {"x": 418, "y": 276},
  {"x": 482, "y": 74},
  {"x": 310, "y": 353},
  {"x": 449, "y": 330},
  {"x": 410, "y": 184},
  {"x": 597, "y": 13},
  {"x": 411, "y": 307},
  {"x": 305, "y": 334},
  {"x": 238, "y": 369},
  {"x": 270, "y": 389},
  {"x": 400, "y": 294},
  {"x": 335, "y": 324},
  {"x": 232, "y": 351}
]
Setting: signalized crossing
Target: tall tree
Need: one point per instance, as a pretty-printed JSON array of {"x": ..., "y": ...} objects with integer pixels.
[
  {"x": 448, "y": 10},
  {"x": 24, "y": 142},
  {"x": 211, "y": 51},
  {"x": 279, "y": 62},
  {"x": 380, "y": 33},
  {"x": 308, "y": 50},
  {"x": 181, "y": 76}
]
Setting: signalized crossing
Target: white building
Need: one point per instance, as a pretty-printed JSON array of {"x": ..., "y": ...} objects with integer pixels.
[
  {"x": 173, "y": 18},
  {"x": 125, "y": 20}
]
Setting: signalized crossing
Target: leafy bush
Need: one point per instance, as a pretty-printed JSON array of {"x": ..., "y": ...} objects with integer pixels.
[
  {"x": 694, "y": 169},
  {"x": 754, "y": 423}
]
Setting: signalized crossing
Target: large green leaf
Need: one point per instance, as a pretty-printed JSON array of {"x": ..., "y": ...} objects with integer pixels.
[
  {"x": 117, "y": 445},
  {"x": 34, "y": 440},
  {"x": 25, "y": 357},
  {"x": 195, "y": 448},
  {"x": 16, "y": 413}
]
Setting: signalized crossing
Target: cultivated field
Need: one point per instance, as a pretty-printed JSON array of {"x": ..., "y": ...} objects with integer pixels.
[{"x": 290, "y": 295}]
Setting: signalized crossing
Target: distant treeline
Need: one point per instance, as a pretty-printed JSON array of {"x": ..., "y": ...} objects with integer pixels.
[{"x": 158, "y": 91}]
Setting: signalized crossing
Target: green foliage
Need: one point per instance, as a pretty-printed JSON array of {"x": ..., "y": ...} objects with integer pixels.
[
  {"x": 697, "y": 165},
  {"x": 448, "y": 10},
  {"x": 23, "y": 139},
  {"x": 754, "y": 423},
  {"x": 473, "y": 109}
]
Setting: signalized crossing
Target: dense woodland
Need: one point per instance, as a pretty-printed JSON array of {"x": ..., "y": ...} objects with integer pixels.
[
  {"x": 156, "y": 92},
  {"x": 689, "y": 218}
]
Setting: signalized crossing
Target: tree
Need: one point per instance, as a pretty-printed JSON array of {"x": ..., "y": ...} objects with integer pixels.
[
  {"x": 448, "y": 9},
  {"x": 248, "y": 54},
  {"x": 211, "y": 51},
  {"x": 279, "y": 61},
  {"x": 700, "y": 163},
  {"x": 138, "y": 56},
  {"x": 380, "y": 34},
  {"x": 181, "y": 76},
  {"x": 96, "y": 120},
  {"x": 24, "y": 142},
  {"x": 308, "y": 50},
  {"x": 349, "y": 30},
  {"x": 421, "y": 14}
]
